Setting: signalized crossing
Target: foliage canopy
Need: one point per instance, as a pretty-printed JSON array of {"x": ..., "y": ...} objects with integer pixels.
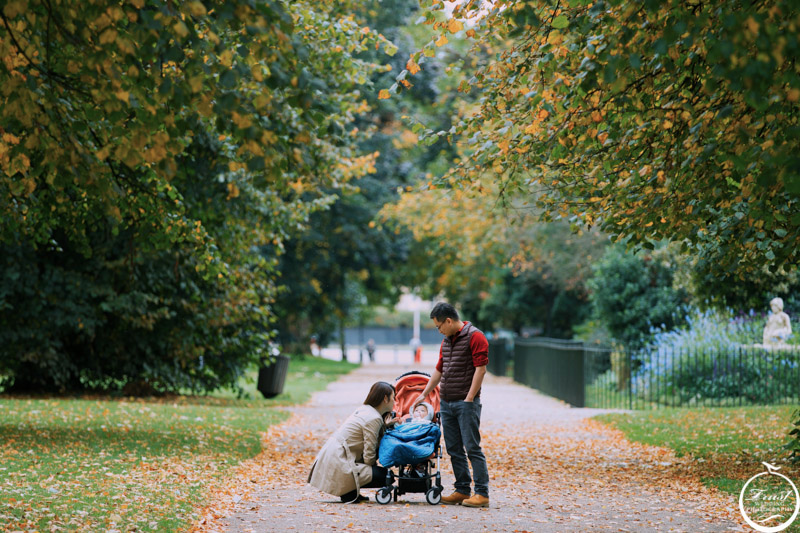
[
  {"x": 649, "y": 119},
  {"x": 147, "y": 149}
]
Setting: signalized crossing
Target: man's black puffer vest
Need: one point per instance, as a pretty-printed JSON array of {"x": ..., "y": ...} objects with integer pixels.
[{"x": 457, "y": 368}]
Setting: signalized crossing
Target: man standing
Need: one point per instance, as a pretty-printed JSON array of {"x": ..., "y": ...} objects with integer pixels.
[{"x": 463, "y": 357}]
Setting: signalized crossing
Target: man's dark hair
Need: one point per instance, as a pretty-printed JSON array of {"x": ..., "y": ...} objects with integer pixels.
[
  {"x": 378, "y": 392},
  {"x": 442, "y": 311}
]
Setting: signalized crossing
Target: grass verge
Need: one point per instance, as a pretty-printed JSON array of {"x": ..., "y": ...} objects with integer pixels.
[
  {"x": 728, "y": 444},
  {"x": 91, "y": 464}
]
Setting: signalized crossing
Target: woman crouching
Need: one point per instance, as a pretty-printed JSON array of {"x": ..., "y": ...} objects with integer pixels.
[{"x": 347, "y": 461}]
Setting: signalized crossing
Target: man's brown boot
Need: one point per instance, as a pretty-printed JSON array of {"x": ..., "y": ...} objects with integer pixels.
[
  {"x": 476, "y": 501},
  {"x": 455, "y": 498}
]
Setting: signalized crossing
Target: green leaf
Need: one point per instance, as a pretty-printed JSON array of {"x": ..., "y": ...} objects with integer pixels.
[{"x": 560, "y": 22}]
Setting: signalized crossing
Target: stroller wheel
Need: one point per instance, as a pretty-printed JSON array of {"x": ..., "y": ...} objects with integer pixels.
[
  {"x": 433, "y": 496},
  {"x": 384, "y": 496}
]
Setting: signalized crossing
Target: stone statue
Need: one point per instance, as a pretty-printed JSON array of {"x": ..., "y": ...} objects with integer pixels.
[{"x": 778, "y": 327}]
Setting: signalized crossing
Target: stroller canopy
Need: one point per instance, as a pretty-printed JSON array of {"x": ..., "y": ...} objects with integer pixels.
[{"x": 408, "y": 387}]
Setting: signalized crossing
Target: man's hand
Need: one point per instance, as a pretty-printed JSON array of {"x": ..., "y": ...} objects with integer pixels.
[{"x": 419, "y": 400}]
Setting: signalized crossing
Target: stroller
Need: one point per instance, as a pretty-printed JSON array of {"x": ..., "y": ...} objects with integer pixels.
[{"x": 419, "y": 475}]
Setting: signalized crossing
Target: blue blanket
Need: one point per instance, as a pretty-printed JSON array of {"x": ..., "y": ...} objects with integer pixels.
[{"x": 408, "y": 444}]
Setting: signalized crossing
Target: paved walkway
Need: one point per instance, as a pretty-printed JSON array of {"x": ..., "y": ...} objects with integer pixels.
[{"x": 551, "y": 469}]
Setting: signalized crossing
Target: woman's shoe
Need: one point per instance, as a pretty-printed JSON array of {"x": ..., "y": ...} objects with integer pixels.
[{"x": 350, "y": 499}]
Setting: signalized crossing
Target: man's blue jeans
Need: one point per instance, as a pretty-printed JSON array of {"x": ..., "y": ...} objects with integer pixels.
[{"x": 461, "y": 423}]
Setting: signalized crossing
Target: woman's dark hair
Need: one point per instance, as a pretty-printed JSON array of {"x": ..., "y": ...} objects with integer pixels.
[
  {"x": 442, "y": 311},
  {"x": 378, "y": 392}
]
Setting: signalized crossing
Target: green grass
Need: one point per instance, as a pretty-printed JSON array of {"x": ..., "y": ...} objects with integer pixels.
[
  {"x": 702, "y": 432},
  {"x": 92, "y": 464},
  {"x": 729, "y": 442},
  {"x": 306, "y": 376}
]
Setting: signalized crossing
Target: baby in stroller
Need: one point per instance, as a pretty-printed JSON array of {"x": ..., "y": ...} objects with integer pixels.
[
  {"x": 423, "y": 414},
  {"x": 413, "y": 445}
]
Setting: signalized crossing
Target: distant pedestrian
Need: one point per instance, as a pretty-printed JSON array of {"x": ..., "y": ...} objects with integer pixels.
[
  {"x": 463, "y": 356},
  {"x": 371, "y": 350},
  {"x": 416, "y": 345}
]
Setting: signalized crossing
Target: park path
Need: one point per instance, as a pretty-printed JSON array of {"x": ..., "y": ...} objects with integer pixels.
[{"x": 551, "y": 469}]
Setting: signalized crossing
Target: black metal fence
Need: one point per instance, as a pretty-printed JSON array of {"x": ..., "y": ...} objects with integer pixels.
[
  {"x": 588, "y": 376},
  {"x": 552, "y": 366}
]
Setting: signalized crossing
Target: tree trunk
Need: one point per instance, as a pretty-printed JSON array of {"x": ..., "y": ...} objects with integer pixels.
[{"x": 342, "y": 339}]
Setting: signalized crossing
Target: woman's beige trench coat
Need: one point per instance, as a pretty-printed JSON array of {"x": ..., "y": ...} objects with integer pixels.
[{"x": 345, "y": 461}]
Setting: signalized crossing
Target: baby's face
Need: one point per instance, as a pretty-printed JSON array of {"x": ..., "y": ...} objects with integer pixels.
[{"x": 420, "y": 411}]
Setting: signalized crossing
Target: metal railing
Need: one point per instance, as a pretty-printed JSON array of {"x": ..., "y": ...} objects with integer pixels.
[
  {"x": 589, "y": 376},
  {"x": 552, "y": 366}
]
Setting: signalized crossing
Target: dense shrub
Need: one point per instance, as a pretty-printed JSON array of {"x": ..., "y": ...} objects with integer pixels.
[{"x": 632, "y": 294}]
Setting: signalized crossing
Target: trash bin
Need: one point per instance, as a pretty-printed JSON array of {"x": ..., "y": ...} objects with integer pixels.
[{"x": 272, "y": 378}]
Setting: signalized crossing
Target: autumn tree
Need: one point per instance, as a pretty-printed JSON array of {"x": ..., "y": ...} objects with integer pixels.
[
  {"x": 147, "y": 149},
  {"x": 343, "y": 262},
  {"x": 503, "y": 267},
  {"x": 649, "y": 119}
]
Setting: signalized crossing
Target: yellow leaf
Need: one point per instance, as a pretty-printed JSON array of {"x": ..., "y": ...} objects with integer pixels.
[
  {"x": 181, "y": 29},
  {"x": 793, "y": 95},
  {"x": 197, "y": 9},
  {"x": 454, "y": 26},
  {"x": 412, "y": 66},
  {"x": 12, "y": 9},
  {"x": 666, "y": 125},
  {"x": 196, "y": 83},
  {"x": 123, "y": 95},
  {"x": 383, "y": 94},
  {"x": 503, "y": 146},
  {"x": 442, "y": 40},
  {"x": 108, "y": 36}
]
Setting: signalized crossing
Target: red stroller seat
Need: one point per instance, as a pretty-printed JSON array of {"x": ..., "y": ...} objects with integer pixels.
[{"x": 408, "y": 387}]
